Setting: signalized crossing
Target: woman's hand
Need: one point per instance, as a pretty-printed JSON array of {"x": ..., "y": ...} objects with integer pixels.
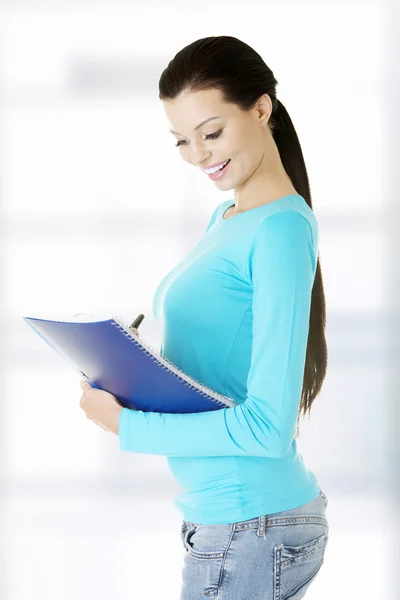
[{"x": 100, "y": 406}]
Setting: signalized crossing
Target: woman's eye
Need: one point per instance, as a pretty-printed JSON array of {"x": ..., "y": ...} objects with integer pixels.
[
  {"x": 210, "y": 136},
  {"x": 215, "y": 135}
]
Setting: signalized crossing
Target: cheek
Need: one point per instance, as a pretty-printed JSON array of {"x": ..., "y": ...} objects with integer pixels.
[{"x": 185, "y": 153}]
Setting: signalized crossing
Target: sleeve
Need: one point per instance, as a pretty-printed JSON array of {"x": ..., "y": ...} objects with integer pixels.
[{"x": 281, "y": 267}]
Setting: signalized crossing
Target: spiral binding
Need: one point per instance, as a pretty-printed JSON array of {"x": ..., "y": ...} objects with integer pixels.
[{"x": 194, "y": 384}]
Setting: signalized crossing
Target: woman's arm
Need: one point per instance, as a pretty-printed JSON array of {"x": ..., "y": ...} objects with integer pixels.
[{"x": 281, "y": 265}]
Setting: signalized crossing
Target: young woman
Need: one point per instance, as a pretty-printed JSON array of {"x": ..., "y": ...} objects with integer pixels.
[{"x": 244, "y": 313}]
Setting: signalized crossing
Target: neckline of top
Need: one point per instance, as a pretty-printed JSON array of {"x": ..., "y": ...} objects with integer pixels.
[{"x": 232, "y": 203}]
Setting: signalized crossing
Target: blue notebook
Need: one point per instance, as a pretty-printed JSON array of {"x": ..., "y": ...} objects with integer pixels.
[{"x": 113, "y": 358}]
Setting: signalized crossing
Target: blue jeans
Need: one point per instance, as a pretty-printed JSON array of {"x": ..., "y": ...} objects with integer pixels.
[{"x": 271, "y": 557}]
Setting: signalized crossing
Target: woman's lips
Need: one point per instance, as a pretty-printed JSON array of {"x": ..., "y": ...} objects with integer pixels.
[{"x": 219, "y": 174}]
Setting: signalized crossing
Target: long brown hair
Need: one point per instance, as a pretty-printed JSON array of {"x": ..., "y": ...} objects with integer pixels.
[{"x": 240, "y": 74}]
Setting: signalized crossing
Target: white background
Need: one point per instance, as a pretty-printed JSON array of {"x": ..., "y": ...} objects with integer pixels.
[{"x": 97, "y": 206}]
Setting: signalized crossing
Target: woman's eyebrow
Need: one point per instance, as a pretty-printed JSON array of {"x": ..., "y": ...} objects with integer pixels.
[{"x": 199, "y": 125}]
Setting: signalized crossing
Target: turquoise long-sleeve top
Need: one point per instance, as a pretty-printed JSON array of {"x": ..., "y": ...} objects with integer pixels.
[{"x": 234, "y": 315}]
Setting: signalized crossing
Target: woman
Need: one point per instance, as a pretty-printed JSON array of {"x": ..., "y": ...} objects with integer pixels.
[{"x": 244, "y": 313}]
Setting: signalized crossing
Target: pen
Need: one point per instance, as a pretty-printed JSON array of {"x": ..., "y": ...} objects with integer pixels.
[{"x": 137, "y": 321}]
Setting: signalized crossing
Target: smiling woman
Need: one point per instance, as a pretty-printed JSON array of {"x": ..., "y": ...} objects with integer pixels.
[
  {"x": 244, "y": 313},
  {"x": 256, "y": 170}
]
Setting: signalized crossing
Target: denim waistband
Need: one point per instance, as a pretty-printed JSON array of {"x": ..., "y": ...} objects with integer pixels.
[{"x": 287, "y": 517}]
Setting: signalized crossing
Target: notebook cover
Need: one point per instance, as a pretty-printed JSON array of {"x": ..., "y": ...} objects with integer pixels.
[{"x": 113, "y": 358}]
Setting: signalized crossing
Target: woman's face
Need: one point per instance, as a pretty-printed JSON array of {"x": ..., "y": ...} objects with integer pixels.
[{"x": 234, "y": 135}]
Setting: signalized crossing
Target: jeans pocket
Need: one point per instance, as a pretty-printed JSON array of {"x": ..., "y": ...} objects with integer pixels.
[
  {"x": 206, "y": 541},
  {"x": 206, "y": 547},
  {"x": 295, "y": 567}
]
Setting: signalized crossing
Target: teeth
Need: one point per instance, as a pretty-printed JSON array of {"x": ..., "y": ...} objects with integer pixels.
[{"x": 215, "y": 169}]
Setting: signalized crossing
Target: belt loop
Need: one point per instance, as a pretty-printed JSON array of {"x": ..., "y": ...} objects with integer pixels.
[{"x": 261, "y": 525}]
